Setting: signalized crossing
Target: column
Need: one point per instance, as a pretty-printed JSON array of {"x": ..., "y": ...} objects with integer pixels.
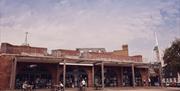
[
  {"x": 133, "y": 76},
  {"x": 58, "y": 73},
  {"x": 102, "y": 74},
  {"x": 93, "y": 76},
  {"x": 118, "y": 76},
  {"x": 149, "y": 79},
  {"x": 64, "y": 74},
  {"x": 121, "y": 76},
  {"x": 53, "y": 71},
  {"x": 13, "y": 74},
  {"x": 90, "y": 78}
]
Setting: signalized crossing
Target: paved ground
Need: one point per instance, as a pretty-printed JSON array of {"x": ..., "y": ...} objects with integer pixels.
[
  {"x": 114, "y": 89},
  {"x": 144, "y": 89}
]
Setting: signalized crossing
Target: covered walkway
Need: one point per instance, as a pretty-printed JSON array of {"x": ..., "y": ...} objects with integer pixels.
[{"x": 64, "y": 62}]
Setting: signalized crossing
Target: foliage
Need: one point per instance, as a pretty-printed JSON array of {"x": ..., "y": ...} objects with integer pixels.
[{"x": 172, "y": 56}]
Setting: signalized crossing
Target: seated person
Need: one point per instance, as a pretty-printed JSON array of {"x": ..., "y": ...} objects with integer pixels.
[
  {"x": 60, "y": 86},
  {"x": 25, "y": 86}
]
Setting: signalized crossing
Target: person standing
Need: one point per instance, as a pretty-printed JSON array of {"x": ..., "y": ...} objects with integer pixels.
[{"x": 82, "y": 85}]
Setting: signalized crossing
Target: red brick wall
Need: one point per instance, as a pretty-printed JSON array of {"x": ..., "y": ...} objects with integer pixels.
[
  {"x": 5, "y": 71},
  {"x": 13, "y": 49},
  {"x": 51, "y": 68},
  {"x": 137, "y": 58},
  {"x": 90, "y": 80},
  {"x": 119, "y": 77},
  {"x": 144, "y": 74},
  {"x": 62, "y": 52}
]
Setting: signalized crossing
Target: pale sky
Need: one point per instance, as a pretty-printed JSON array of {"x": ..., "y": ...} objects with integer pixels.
[{"x": 70, "y": 24}]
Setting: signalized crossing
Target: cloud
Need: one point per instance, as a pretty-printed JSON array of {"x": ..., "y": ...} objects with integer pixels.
[{"x": 91, "y": 23}]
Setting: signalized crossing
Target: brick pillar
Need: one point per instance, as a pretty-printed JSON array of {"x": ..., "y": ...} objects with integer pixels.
[
  {"x": 133, "y": 75},
  {"x": 54, "y": 76},
  {"x": 13, "y": 74},
  {"x": 144, "y": 74},
  {"x": 59, "y": 71},
  {"x": 90, "y": 78},
  {"x": 54, "y": 72},
  {"x": 119, "y": 78}
]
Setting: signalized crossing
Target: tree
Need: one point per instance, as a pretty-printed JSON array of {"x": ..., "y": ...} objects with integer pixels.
[{"x": 172, "y": 56}]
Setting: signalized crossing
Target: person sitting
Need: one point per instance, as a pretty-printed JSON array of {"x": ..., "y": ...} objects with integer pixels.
[
  {"x": 25, "y": 86},
  {"x": 60, "y": 86},
  {"x": 96, "y": 83},
  {"x": 48, "y": 84}
]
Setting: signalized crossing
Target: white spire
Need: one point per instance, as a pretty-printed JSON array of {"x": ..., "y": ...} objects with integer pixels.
[
  {"x": 157, "y": 51},
  {"x": 156, "y": 44},
  {"x": 26, "y": 41}
]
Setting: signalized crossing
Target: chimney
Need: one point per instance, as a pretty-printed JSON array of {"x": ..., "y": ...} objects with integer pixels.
[{"x": 125, "y": 47}]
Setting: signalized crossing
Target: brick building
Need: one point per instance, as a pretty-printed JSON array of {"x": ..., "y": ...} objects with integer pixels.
[{"x": 94, "y": 65}]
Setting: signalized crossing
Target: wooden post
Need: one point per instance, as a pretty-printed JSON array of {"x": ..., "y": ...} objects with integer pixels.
[
  {"x": 121, "y": 76},
  {"x": 64, "y": 75},
  {"x": 13, "y": 74},
  {"x": 133, "y": 76},
  {"x": 102, "y": 74},
  {"x": 149, "y": 79},
  {"x": 58, "y": 74},
  {"x": 93, "y": 75}
]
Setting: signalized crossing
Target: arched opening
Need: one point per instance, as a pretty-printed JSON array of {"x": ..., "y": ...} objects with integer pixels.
[
  {"x": 110, "y": 78},
  {"x": 69, "y": 77},
  {"x": 35, "y": 75},
  {"x": 127, "y": 76},
  {"x": 138, "y": 77},
  {"x": 74, "y": 76},
  {"x": 82, "y": 75},
  {"x": 97, "y": 76}
]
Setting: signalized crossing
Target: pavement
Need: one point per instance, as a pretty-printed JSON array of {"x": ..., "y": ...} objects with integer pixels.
[{"x": 114, "y": 89}]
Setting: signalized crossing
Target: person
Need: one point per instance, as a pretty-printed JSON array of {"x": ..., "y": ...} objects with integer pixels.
[
  {"x": 37, "y": 81},
  {"x": 96, "y": 84},
  {"x": 25, "y": 86},
  {"x": 82, "y": 85},
  {"x": 61, "y": 86},
  {"x": 48, "y": 84},
  {"x": 144, "y": 82},
  {"x": 149, "y": 80}
]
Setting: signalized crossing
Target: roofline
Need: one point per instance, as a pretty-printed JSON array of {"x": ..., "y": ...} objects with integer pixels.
[{"x": 51, "y": 59}]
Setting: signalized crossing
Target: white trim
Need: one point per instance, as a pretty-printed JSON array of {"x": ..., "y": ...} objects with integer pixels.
[{"x": 78, "y": 64}]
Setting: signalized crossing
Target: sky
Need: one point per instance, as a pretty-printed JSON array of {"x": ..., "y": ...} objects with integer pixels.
[{"x": 70, "y": 24}]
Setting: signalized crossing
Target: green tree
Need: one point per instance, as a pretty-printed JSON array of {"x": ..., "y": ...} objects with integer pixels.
[{"x": 172, "y": 56}]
